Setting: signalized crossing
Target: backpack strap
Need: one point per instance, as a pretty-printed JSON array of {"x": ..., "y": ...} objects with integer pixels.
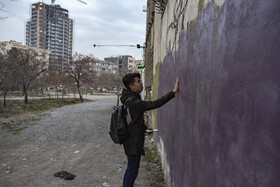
[{"x": 128, "y": 99}]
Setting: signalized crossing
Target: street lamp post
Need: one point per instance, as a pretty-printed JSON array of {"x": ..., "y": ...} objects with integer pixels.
[{"x": 137, "y": 45}]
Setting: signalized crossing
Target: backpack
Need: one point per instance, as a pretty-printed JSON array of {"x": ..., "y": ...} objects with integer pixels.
[{"x": 120, "y": 120}]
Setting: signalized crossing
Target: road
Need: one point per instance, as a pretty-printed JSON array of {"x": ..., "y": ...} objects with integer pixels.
[{"x": 72, "y": 138}]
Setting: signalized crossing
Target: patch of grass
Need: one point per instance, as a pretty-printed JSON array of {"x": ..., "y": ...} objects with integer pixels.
[
  {"x": 35, "y": 107},
  {"x": 74, "y": 101},
  {"x": 14, "y": 116},
  {"x": 154, "y": 165},
  {"x": 18, "y": 107},
  {"x": 12, "y": 127},
  {"x": 48, "y": 99}
]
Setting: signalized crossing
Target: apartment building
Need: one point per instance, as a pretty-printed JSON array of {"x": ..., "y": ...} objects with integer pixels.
[
  {"x": 51, "y": 28},
  {"x": 124, "y": 62},
  {"x": 102, "y": 66}
]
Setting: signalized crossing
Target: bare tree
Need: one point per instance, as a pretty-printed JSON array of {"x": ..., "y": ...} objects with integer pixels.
[
  {"x": 54, "y": 80},
  {"x": 80, "y": 71},
  {"x": 28, "y": 65},
  {"x": 106, "y": 80},
  {"x": 2, "y": 10},
  {"x": 2, "y": 78},
  {"x": 118, "y": 79},
  {"x": 39, "y": 84},
  {"x": 118, "y": 82},
  {"x": 7, "y": 78},
  {"x": 4, "y": 13}
]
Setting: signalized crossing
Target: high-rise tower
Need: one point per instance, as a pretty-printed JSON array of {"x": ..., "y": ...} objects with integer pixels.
[{"x": 50, "y": 28}]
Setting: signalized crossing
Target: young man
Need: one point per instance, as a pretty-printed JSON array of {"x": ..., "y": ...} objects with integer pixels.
[{"x": 134, "y": 144}]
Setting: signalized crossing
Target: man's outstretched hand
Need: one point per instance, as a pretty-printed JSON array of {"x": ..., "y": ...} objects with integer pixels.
[{"x": 176, "y": 86}]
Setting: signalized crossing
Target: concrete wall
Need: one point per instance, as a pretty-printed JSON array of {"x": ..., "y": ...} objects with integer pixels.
[{"x": 222, "y": 129}]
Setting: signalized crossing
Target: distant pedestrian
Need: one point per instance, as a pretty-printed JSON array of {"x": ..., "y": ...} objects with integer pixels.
[{"x": 134, "y": 144}]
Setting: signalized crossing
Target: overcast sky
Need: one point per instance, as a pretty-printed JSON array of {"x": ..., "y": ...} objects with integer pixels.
[{"x": 101, "y": 22}]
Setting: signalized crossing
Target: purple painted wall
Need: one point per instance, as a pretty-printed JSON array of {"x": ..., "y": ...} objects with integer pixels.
[{"x": 223, "y": 128}]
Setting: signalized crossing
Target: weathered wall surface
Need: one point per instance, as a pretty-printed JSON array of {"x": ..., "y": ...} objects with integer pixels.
[{"x": 222, "y": 129}]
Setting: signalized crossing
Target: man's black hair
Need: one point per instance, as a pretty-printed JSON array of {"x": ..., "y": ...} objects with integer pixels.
[{"x": 128, "y": 79}]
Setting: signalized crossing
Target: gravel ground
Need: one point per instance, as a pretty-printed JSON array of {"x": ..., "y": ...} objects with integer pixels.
[{"x": 72, "y": 138}]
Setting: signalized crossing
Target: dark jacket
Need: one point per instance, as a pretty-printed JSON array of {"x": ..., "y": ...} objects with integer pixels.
[{"x": 134, "y": 144}]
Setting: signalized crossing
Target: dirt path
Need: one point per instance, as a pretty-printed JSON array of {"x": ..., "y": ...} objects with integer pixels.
[{"x": 72, "y": 138}]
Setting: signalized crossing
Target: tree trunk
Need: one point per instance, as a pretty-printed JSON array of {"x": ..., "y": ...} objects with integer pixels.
[
  {"x": 25, "y": 94},
  {"x": 1, "y": 111},
  {"x": 43, "y": 92},
  {"x": 48, "y": 93},
  {"x": 56, "y": 92},
  {"x": 80, "y": 94},
  {"x": 5, "y": 100}
]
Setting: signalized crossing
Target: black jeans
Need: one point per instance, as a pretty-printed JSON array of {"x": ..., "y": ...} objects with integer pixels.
[{"x": 131, "y": 172}]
